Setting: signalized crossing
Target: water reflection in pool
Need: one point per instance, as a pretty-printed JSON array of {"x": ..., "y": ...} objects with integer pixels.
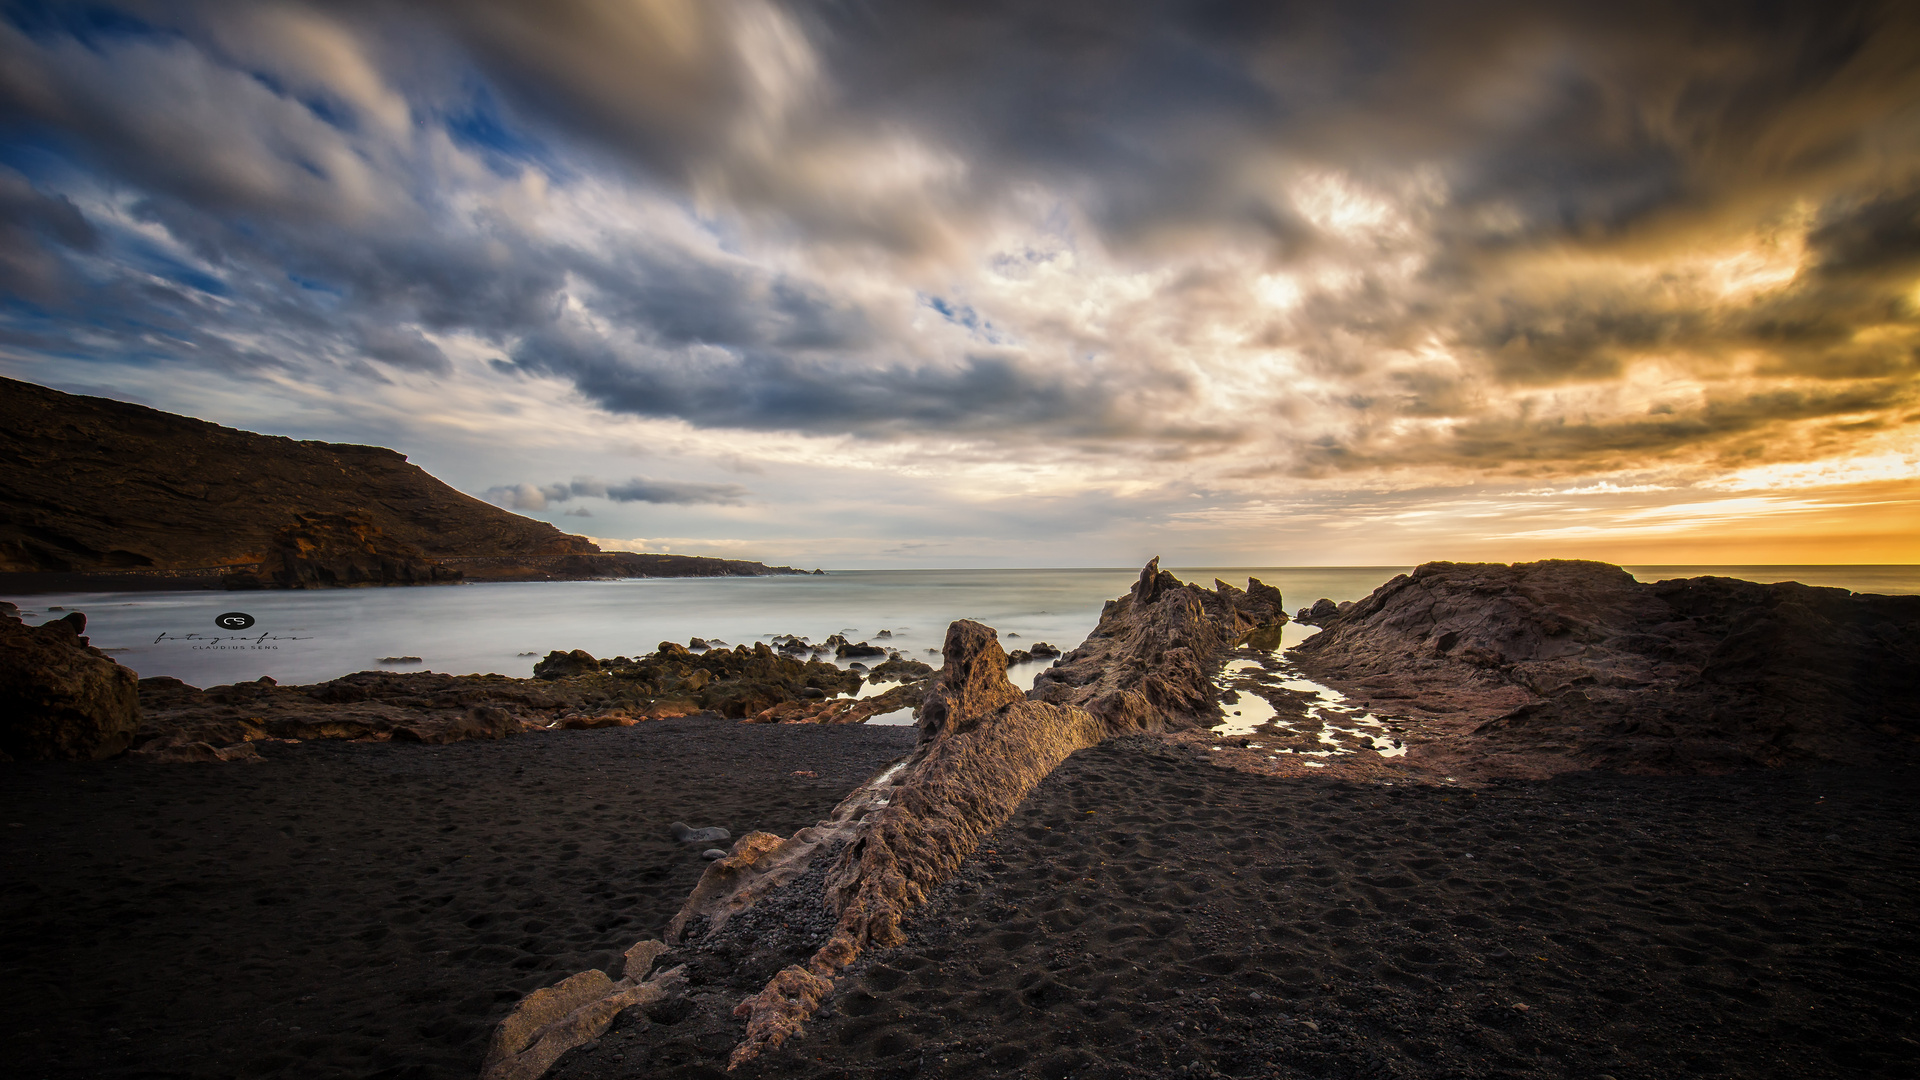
[{"x": 1264, "y": 694}]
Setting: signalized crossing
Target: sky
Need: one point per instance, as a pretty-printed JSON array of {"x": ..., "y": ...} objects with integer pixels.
[{"x": 946, "y": 284}]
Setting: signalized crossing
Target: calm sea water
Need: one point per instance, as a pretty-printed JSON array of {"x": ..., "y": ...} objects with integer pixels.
[{"x": 304, "y": 637}]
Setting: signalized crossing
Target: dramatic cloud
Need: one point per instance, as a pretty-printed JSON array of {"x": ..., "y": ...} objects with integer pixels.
[
  {"x": 638, "y": 489},
  {"x": 1156, "y": 249}
]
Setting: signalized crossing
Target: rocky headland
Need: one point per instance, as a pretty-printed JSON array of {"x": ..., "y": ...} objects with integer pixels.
[{"x": 103, "y": 494}]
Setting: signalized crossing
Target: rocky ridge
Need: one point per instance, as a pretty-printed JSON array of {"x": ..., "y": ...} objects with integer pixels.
[
  {"x": 983, "y": 746},
  {"x": 1537, "y": 668},
  {"x": 97, "y": 493}
]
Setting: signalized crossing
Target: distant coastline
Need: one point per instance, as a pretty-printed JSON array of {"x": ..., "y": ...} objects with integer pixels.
[{"x": 103, "y": 495}]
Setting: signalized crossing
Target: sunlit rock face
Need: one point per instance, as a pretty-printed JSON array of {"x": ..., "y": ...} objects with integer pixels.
[
  {"x": 1541, "y": 667},
  {"x": 1150, "y": 662}
]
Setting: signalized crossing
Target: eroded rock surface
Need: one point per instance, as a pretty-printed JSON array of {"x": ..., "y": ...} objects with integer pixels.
[
  {"x": 983, "y": 746},
  {"x": 1543, "y": 667},
  {"x": 61, "y": 698},
  {"x": 578, "y": 1009},
  {"x": 1149, "y": 664}
]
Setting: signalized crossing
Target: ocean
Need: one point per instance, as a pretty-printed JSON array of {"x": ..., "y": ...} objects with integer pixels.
[{"x": 312, "y": 636}]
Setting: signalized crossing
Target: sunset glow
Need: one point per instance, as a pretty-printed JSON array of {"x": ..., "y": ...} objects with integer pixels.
[{"x": 1062, "y": 284}]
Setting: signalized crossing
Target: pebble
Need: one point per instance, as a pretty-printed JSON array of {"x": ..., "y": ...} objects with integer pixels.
[{"x": 713, "y": 853}]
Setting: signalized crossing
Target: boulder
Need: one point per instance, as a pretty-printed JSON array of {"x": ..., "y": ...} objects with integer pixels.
[
  {"x": 857, "y": 650},
  {"x": 900, "y": 670},
  {"x": 561, "y": 665},
  {"x": 61, "y": 698},
  {"x": 1321, "y": 614}
]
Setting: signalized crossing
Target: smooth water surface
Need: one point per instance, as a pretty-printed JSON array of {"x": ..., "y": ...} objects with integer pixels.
[{"x": 310, "y": 636}]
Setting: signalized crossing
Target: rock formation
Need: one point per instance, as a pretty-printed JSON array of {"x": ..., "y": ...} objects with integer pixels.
[
  {"x": 1149, "y": 664},
  {"x": 61, "y": 698},
  {"x": 570, "y": 691},
  {"x": 983, "y": 746},
  {"x": 578, "y": 1009},
  {"x": 1543, "y": 667}
]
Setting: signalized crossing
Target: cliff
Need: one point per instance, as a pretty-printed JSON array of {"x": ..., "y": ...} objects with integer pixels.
[{"x": 102, "y": 493}]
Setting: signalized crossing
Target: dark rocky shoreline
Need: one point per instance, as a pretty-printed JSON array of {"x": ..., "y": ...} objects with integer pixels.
[{"x": 1080, "y": 881}]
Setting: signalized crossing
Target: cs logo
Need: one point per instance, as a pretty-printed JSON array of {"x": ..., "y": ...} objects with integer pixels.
[{"x": 233, "y": 620}]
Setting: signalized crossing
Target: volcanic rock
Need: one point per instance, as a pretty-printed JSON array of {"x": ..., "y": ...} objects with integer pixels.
[
  {"x": 101, "y": 493},
  {"x": 900, "y": 670},
  {"x": 574, "y": 1011},
  {"x": 858, "y": 650},
  {"x": 430, "y": 707},
  {"x": 322, "y": 551},
  {"x": 1322, "y": 613},
  {"x": 1541, "y": 667},
  {"x": 1149, "y": 664},
  {"x": 983, "y": 745},
  {"x": 843, "y": 710},
  {"x": 61, "y": 698},
  {"x": 561, "y": 665}
]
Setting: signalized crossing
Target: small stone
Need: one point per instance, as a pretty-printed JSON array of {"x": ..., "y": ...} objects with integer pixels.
[{"x": 713, "y": 853}]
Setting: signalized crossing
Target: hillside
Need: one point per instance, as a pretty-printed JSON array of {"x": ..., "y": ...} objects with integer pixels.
[{"x": 100, "y": 491}]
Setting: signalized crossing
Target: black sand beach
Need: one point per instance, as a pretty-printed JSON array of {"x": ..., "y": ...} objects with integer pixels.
[
  {"x": 373, "y": 909},
  {"x": 1148, "y": 914},
  {"x": 363, "y": 909}
]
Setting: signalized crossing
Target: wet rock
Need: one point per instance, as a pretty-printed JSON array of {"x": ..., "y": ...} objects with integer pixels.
[
  {"x": 1322, "y": 613},
  {"x": 843, "y": 710},
  {"x": 857, "y": 650},
  {"x": 897, "y": 669},
  {"x": 561, "y": 665},
  {"x": 60, "y": 698}
]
